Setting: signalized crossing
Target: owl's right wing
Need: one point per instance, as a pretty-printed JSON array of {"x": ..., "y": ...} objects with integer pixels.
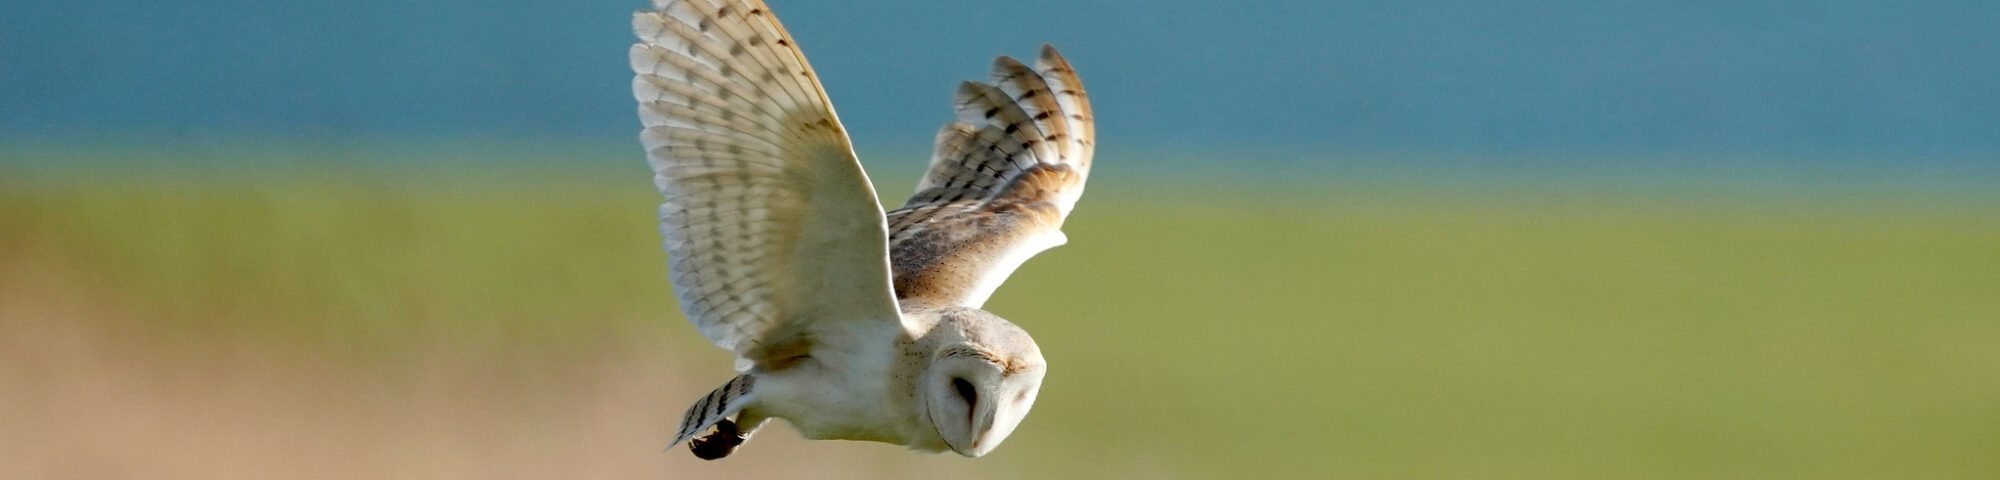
[
  {"x": 1001, "y": 182},
  {"x": 773, "y": 235}
]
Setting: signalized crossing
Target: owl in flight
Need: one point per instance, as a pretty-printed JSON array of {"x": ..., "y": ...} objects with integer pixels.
[{"x": 848, "y": 323}]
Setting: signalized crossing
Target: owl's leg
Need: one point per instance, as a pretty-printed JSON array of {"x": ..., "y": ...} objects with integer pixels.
[{"x": 727, "y": 435}]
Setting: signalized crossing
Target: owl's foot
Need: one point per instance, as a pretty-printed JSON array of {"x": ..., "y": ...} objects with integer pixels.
[{"x": 717, "y": 444}]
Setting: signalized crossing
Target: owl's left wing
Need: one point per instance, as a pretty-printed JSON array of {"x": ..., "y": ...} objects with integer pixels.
[
  {"x": 774, "y": 239},
  {"x": 1002, "y": 180}
]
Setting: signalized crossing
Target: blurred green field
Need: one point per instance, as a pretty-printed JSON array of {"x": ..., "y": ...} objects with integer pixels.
[{"x": 519, "y": 324}]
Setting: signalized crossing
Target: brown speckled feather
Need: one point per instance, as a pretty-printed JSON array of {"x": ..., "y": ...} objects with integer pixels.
[{"x": 1002, "y": 179}]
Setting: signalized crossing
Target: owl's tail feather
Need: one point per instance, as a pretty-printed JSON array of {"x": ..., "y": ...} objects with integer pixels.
[{"x": 726, "y": 400}]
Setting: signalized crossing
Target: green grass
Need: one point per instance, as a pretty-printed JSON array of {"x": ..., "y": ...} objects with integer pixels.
[{"x": 1199, "y": 331}]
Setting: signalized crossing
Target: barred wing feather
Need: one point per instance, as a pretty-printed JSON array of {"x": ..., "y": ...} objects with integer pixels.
[
  {"x": 773, "y": 236},
  {"x": 1002, "y": 180}
]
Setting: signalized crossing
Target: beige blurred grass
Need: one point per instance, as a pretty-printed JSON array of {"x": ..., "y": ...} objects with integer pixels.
[{"x": 377, "y": 325}]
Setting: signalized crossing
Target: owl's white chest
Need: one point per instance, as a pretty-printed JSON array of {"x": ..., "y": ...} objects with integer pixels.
[{"x": 851, "y": 395}]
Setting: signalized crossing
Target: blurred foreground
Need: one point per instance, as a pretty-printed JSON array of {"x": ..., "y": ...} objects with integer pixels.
[{"x": 520, "y": 326}]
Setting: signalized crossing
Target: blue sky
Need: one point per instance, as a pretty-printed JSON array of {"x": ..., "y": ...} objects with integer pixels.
[{"x": 1893, "y": 79}]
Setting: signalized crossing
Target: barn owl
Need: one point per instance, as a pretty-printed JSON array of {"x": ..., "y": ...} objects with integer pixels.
[{"x": 846, "y": 322}]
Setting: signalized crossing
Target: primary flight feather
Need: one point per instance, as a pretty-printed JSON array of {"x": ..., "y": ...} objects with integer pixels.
[{"x": 846, "y": 322}]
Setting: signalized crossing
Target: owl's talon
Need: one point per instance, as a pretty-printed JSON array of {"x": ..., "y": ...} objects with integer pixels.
[{"x": 717, "y": 444}]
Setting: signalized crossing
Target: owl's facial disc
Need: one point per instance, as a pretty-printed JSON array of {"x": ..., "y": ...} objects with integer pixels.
[{"x": 975, "y": 401}]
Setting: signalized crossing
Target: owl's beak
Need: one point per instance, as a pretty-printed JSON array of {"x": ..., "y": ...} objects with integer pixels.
[
  {"x": 971, "y": 452},
  {"x": 982, "y": 438}
]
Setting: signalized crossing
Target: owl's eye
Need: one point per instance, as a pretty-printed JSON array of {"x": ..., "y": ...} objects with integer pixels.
[{"x": 965, "y": 391}]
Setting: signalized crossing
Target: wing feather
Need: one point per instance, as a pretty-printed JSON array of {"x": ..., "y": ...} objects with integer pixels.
[
  {"x": 1031, "y": 92},
  {"x": 981, "y": 103},
  {"x": 1061, "y": 78},
  {"x": 1002, "y": 180},
  {"x": 773, "y": 236}
]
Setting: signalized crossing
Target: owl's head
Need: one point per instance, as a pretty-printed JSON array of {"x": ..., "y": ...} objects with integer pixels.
[{"x": 981, "y": 381}]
